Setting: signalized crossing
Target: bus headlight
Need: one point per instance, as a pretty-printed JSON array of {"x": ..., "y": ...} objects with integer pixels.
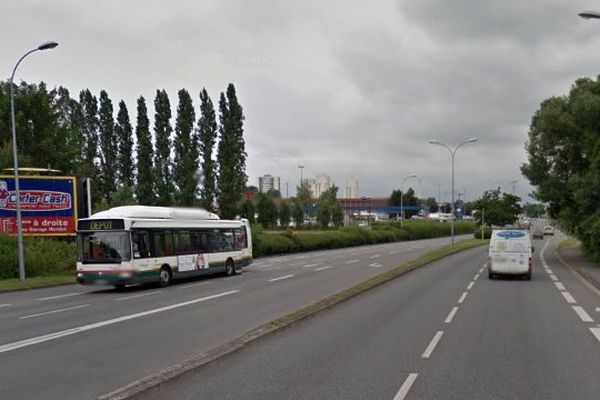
[{"x": 125, "y": 275}]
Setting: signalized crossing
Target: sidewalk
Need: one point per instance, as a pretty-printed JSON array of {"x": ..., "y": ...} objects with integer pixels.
[{"x": 575, "y": 259}]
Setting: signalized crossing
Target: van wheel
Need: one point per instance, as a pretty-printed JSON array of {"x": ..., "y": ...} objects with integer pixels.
[
  {"x": 164, "y": 276},
  {"x": 527, "y": 276},
  {"x": 490, "y": 275},
  {"x": 119, "y": 286},
  {"x": 229, "y": 267}
]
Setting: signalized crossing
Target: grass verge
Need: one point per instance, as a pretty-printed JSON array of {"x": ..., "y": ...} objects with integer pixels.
[
  {"x": 179, "y": 369},
  {"x": 7, "y": 285},
  {"x": 570, "y": 242}
]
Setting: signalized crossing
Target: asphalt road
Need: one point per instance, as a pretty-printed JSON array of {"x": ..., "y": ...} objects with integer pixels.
[
  {"x": 76, "y": 342},
  {"x": 444, "y": 331}
]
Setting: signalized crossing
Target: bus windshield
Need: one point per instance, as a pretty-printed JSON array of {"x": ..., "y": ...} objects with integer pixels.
[{"x": 104, "y": 247}]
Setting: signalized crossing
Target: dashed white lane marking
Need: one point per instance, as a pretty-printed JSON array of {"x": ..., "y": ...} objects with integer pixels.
[
  {"x": 59, "y": 296},
  {"x": 83, "y": 328},
  {"x": 309, "y": 265},
  {"x": 462, "y": 298},
  {"x": 406, "y": 386},
  {"x": 596, "y": 332},
  {"x": 352, "y": 261},
  {"x": 323, "y": 268},
  {"x": 470, "y": 285},
  {"x": 393, "y": 252},
  {"x": 376, "y": 265},
  {"x": 548, "y": 270},
  {"x": 568, "y": 297},
  {"x": 193, "y": 285},
  {"x": 559, "y": 285},
  {"x": 451, "y": 315},
  {"x": 4, "y": 305},
  {"x": 476, "y": 277},
  {"x": 585, "y": 317},
  {"x": 375, "y": 256},
  {"x": 139, "y": 295},
  {"x": 53, "y": 311},
  {"x": 553, "y": 277},
  {"x": 432, "y": 344},
  {"x": 597, "y": 309},
  {"x": 281, "y": 277}
]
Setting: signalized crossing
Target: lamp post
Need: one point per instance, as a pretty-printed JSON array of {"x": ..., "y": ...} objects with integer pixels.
[
  {"x": 301, "y": 167},
  {"x": 402, "y": 199},
  {"x": 452, "y": 154},
  {"x": 43, "y": 46}
]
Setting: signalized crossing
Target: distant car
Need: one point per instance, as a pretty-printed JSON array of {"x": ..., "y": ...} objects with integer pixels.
[
  {"x": 548, "y": 230},
  {"x": 537, "y": 234}
]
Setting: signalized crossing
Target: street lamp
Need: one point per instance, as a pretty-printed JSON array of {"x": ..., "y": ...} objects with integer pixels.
[
  {"x": 43, "y": 46},
  {"x": 402, "y": 199},
  {"x": 301, "y": 169},
  {"x": 452, "y": 154}
]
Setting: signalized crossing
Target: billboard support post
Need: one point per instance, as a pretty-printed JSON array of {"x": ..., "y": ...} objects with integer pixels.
[{"x": 88, "y": 182}]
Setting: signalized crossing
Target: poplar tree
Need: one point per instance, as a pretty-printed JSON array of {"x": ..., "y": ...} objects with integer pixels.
[
  {"x": 186, "y": 150},
  {"x": 231, "y": 157},
  {"x": 89, "y": 132},
  {"x": 144, "y": 186},
  {"x": 207, "y": 128},
  {"x": 162, "y": 156},
  {"x": 108, "y": 146},
  {"x": 124, "y": 136}
]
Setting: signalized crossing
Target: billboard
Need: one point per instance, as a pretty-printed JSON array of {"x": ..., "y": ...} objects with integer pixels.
[{"x": 48, "y": 205}]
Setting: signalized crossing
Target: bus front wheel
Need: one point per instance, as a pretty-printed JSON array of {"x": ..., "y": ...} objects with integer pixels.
[
  {"x": 164, "y": 276},
  {"x": 229, "y": 267}
]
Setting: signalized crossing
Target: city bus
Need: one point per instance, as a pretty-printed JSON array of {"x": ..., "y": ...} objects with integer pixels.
[{"x": 141, "y": 244}]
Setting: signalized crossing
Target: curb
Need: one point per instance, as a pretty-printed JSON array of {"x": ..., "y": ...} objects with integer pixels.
[
  {"x": 591, "y": 283},
  {"x": 179, "y": 369}
]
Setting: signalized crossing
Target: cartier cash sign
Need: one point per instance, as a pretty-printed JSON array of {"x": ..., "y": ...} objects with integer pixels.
[{"x": 48, "y": 205}]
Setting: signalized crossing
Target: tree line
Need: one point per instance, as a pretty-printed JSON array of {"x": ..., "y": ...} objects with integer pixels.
[{"x": 133, "y": 162}]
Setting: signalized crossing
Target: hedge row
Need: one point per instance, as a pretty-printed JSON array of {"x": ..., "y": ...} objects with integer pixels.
[
  {"x": 289, "y": 242},
  {"x": 43, "y": 256}
]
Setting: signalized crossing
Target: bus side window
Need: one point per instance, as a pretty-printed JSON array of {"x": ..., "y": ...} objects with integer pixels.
[
  {"x": 141, "y": 244},
  {"x": 159, "y": 244},
  {"x": 183, "y": 242}
]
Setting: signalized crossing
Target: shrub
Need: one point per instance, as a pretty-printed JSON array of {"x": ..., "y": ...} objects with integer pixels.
[
  {"x": 487, "y": 233},
  {"x": 43, "y": 256}
]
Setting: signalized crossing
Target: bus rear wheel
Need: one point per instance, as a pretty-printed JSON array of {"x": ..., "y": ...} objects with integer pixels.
[
  {"x": 164, "y": 276},
  {"x": 229, "y": 267}
]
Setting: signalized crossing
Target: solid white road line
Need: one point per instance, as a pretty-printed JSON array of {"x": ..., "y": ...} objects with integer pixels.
[
  {"x": 432, "y": 344},
  {"x": 568, "y": 297},
  {"x": 281, "y": 277},
  {"x": 405, "y": 387},
  {"x": 559, "y": 285},
  {"x": 4, "y": 305},
  {"x": 83, "y": 328},
  {"x": 352, "y": 261},
  {"x": 375, "y": 256},
  {"x": 470, "y": 285},
  {"x": 462, "y": 298},
  {"x": 138, "y": 295},
  {"x": 59, "y": 296},
  {"x": 310, "y": 265},
  {"x": 596, "y": 332},
  {"x": 585, "y": 317},
  {"x": 193, "y": 285},
  {"x": 553, "y": 277},
  {"x": 451, "y": 315},
  {"x": 53, "y": 311},
  {"x": 322, "y": 268},
  {"x": 481, "y": 270}
]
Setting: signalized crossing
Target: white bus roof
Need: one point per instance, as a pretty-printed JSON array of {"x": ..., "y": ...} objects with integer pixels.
[{"x": 153, "y": 212}]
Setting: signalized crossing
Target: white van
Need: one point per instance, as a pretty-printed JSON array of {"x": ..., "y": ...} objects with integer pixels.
[{"x": 510, "y": 253}]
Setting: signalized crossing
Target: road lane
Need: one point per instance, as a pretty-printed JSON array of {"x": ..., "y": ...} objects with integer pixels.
[
  {"x": 103, "y": 359},
  {"x": 507, "y": 339}
]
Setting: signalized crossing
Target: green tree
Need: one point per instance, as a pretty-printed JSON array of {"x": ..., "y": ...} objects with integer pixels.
[
  {"x": 285, "y": 214},
  {"x": 267, "y": 210},
  {"x": 324, "y": 214},
  {"x": 124, "y": 136},
  {"x": 297, "y": 212},
  {"x": 163, "y": 178},
  {"x": 186, "y": 151},
  {"x": 304, "y": 193},
  {"x": 534, "y": 210},
  {"x": 108, "y": 146},
  {"x": 207, "y": 127},
  {"x": 337, "y": 214},
  {"x": 330, "y": 194},
  {"x": 499, "y": 208},
  {"x": 431, "y": 204},
  {"x": 231, "y": 155},
  {"x": 89, "y": 132},
  {"x": 247, "y": 210},
  {"x": 144, "y": 186}
]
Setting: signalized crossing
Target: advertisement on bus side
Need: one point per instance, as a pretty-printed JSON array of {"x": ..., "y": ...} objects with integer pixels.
[{"x": 48, "y": 205}]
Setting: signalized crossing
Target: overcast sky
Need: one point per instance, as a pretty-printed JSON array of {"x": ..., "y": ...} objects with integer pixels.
[{"x": 348, "y": 88}]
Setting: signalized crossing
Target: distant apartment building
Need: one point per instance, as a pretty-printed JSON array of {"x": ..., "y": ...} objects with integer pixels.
[
  {"x": 351, "y": 189},
  {"x": 268, "y": 182},
  {"x": 320, "y": 184}
]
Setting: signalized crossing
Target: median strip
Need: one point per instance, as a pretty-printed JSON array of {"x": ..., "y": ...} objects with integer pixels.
[{"x": 254, "y": 334}]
